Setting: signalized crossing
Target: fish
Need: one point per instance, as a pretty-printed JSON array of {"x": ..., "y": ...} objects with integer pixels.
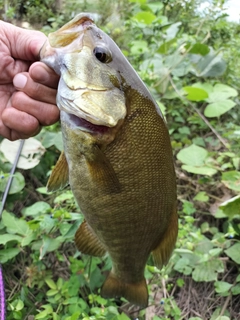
[{"x": 117, "y": 157}]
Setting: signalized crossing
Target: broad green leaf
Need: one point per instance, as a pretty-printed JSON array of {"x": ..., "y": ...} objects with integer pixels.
[
  {"x": 236, "y": 289},
  {"x": 201, "y": 196},
  {"x": 210, "y": 65},
  {"x": 31, "y": 152},
  {"x": 234, "y": 252},
  {"x": 51, "y": 283},
  {"x": 216, "y": 109},
  {"x": 145, "y": 17},
  {"x": 231, "y": 179},
  {"x": 222, "y": 286},
  {"x": 200, "y": 170},
  {"x": 42, "y": 315},
  {"x": 49, "y": 245},
  {"x": 193, "y": 155},
  {"x": 156, "y": 6},
  {"x": 206, "y": 86},
  {"x": 164, "y": 47},
  {"x": 52, "y": 292},
  {"x": 8, "y": 254},
  {"x": 19, "y": 306},
  {"x": 198, "y": 48},
  {"x": 138, "y": 47},
  {"x": 195, "y": 94},
  {"x": 231, "y": 207},
  {"x": 138, "y": 1},
  {"x": 208, "y": 270},
  {"x": 223, "y": 318},
  {"x": 14, "y": 225},
  {"x": 28, "y": 238},
  {"x": 36, "y": 209},
  {"x": 4, "y": 238},
  {"x": 172, "y": 31},
  {"x": 221, "y": 92}
]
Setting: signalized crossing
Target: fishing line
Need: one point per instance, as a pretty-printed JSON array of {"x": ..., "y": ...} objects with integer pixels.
[{"x": 6, "y": 191}]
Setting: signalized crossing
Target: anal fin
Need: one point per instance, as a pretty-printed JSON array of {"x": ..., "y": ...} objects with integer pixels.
[
  {"x": 87, "y": 242},
  {"x": 162, "y": 253},
  {"x": 136, "y": 293},
  {"x": 59, "y": 176}
]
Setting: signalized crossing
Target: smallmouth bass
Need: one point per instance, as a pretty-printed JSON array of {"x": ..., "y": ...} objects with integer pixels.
[{"x": 117, "y": 157}]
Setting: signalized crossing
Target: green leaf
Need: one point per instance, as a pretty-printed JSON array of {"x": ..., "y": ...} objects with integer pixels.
[
  {"x": 145, "y": 17},
  {"x": 198, "y": 48},
  {"x": 4, "y": 238},
  {"x": 14, "y": 225},
  {"x": 51, "y": 283},
  {"x": 138, "y": 47},
  {"x": 231, "y": 207},
  {"x": 51, "y": 292},
  {"x": 210, "y": 65},
  {"x": 208, "y": 270},
  {"x": 236, "y": 289},
  {"x": 216, "y": 109},
  {"x": 36, "y": 209},
  {"x": 195, "y": 94},
  {"x": 222, "y": 286},
  {"x": 201, "y": 196},
  {"x": 193, "y": 155},
  {"x": 49, "y": 245},
  {"x": 221, "y": 92},
  {"x": 234, "y": 252},
  {"x": 200, "y": 170},
  {"x": 172, "y": 30},
  {"x": 231, "y": 179},
  {"x": 8, "y": 254}
]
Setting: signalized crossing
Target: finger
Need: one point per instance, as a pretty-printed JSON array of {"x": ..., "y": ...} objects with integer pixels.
[
  {"x": 45, "y": 113},
  {"x": 20, "y": 124},
  {"x": 41, "y": 73},
  {"x": 35, "y": 90}
]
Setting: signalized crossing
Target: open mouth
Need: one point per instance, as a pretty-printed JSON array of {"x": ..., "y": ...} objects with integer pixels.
[{"x": 87, "y": 126}]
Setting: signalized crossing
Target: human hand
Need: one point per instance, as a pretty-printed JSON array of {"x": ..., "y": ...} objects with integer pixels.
[{"x": 27, "y": 89}]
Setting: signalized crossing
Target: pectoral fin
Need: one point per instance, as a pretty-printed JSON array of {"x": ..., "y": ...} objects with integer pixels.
[
  {"x": 162, "y": 253},
  {"x": 103, "y": 172},
  {"x": 87, "y": 242},
  {"x": 59, "y": 176}
]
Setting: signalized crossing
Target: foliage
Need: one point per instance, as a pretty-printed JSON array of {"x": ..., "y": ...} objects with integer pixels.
[{"x": 188, "y": 59}]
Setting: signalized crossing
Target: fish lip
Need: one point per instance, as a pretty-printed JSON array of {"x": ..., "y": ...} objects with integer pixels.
[
  {"x": 63, "y": 106},
  {"x": 83, "y": 124}
]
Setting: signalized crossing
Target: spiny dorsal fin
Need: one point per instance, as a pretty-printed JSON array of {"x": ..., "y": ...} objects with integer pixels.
[
  {"x": 59, "y": 176},
  {"x": 161, "y": 254},
  {"x": 87, "y": 242}
]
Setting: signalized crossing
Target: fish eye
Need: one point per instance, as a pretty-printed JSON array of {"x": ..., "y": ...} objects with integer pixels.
[{"x": 102, "y": 54}]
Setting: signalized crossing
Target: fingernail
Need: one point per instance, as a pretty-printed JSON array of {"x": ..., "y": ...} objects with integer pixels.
[{"x": 19, "y": 81}]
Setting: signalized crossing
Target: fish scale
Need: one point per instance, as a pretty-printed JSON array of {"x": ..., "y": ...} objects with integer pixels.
[{"x": 117, "y": 157}]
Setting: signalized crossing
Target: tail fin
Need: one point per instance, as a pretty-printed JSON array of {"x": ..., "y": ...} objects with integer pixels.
[{"x": 136, "y": 293}]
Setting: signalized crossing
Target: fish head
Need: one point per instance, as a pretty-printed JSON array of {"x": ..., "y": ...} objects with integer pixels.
[{"x": 90, "y": 85}]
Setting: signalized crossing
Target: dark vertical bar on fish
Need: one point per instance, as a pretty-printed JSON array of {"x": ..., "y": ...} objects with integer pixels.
[{"x": 2, "y": 297}]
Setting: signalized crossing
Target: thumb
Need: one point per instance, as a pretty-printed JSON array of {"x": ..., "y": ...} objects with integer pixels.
[{"x": 23, "y": 44}]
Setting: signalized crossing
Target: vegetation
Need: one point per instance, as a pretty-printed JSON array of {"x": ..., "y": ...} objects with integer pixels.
[{"x": 190, "y": 61}]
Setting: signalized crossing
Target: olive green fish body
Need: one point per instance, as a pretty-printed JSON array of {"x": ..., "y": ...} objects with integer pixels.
[{"x": 120, "y": 165}]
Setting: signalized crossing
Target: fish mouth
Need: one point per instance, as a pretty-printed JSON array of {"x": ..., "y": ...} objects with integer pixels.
[{"x": 83, "y": 124}]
